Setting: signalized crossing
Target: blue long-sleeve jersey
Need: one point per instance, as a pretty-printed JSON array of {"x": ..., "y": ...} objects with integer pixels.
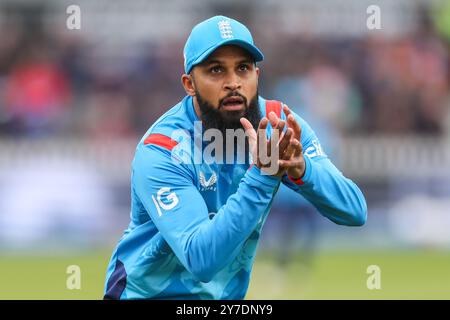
[{"x": 195, "y": 226}]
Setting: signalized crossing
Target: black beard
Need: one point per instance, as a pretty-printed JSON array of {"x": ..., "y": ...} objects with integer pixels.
[{"x": 213, "y": 118}]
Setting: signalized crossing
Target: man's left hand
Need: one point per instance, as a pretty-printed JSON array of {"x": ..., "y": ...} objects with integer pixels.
[{"x": 292, "y": 158}]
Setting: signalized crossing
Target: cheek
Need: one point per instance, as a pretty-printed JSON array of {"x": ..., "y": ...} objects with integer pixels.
[
  {"x": 251, "y": 89},
  {"x": 210, "y": 91}
]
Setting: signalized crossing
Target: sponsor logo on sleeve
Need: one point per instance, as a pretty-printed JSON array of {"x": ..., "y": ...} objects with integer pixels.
[
  {"x": 165, "y": 200},
  {"x": 315, "y": 150}
]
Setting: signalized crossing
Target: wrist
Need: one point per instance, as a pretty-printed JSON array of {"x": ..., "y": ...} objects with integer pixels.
[{"x": 297, "y": 173}]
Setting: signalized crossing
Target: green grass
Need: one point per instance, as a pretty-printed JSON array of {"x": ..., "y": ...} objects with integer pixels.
[
  {"x": 333, "y": 275},
  {"x": 44, "y": 277},
  {"x": 343, "y": 275}
]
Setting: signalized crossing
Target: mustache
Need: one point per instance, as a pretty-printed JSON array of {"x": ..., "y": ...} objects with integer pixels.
[{"x": 233, "y": 94}]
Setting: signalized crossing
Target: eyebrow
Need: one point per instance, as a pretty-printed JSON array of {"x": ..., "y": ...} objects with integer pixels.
[
  {"x": 213, "y": 61},
  {"x": 209, "y": 62}
]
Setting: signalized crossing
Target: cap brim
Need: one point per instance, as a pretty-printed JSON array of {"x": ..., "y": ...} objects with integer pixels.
[{"x": 252, "y": 49}]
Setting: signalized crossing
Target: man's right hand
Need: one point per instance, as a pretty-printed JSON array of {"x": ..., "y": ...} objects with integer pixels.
[{"x": 266, "y": 153}]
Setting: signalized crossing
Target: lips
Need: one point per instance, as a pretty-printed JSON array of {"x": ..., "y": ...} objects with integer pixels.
[{"x": 233, "y": 103}]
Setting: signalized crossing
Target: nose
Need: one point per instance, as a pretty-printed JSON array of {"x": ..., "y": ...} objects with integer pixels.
[{"x": 233, "y": 82}]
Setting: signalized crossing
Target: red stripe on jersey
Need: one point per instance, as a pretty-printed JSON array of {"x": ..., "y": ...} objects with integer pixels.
[
  {"x": 160, "y": 140},
  {"x": 273, "y": 105},
  {"x": 298, "y": 182}
]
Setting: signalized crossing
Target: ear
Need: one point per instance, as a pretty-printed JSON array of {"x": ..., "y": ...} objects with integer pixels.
[
  {"x": 188, "y": 84},
  {"x": 257, "y": 72}
]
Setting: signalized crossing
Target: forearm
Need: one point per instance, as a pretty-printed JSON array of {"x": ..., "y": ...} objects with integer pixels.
[
  {"x": 335, "y": 196},
  {"x": 213, "y": 244}
]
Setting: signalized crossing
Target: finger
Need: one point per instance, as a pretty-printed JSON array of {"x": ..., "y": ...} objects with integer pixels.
[
  {"x": 248, "y": 128},
  {"x": 261, "y": 140},
  {"x": 273, "y": 118},
  {"x": 288, "y": 152},
  {"x": 246, "y": 124},
  {"x": 298, "y": 148},
  {"x": 292, "y": 123},
  {"x": 280, "y": 126},
  {"x": 294, "y": 149},
  {"x": 263, "y": 125},
  {"x": 296, "y": 127},
  {"x": 251, "y": 136},
  {"x": 262, "y": 134},
  {"x": 286, "y": 110},
  {"x": 285, "y": 140},
  {"x": 276, "y": 140}
]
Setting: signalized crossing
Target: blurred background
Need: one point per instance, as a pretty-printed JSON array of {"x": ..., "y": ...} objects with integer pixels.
[{"x": 75, "y": 102}]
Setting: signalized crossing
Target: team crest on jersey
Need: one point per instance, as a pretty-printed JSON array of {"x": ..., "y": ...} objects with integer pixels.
[
  {"x": 210, "y": 184},
  {"x": 225, "y": 29}
]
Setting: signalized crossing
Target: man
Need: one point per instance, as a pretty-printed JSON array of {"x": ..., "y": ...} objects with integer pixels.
[{"x": 195, "y": 225}]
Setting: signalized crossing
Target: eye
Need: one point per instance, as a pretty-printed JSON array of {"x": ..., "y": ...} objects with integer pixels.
[
  {"x": 215, "y": 69},
  {"x": 243, "y": 67}
]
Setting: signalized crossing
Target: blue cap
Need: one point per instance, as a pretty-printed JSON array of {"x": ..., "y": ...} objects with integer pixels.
[{"x": 217, "y": 31}]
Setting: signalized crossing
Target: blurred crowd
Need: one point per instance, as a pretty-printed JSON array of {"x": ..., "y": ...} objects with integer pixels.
[
  {"x": 59, "y": 83},
  {"x": 53, "y": 85}
]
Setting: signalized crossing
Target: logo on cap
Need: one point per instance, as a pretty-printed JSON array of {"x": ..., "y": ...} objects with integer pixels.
[{"x": 225, "y": 29}]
